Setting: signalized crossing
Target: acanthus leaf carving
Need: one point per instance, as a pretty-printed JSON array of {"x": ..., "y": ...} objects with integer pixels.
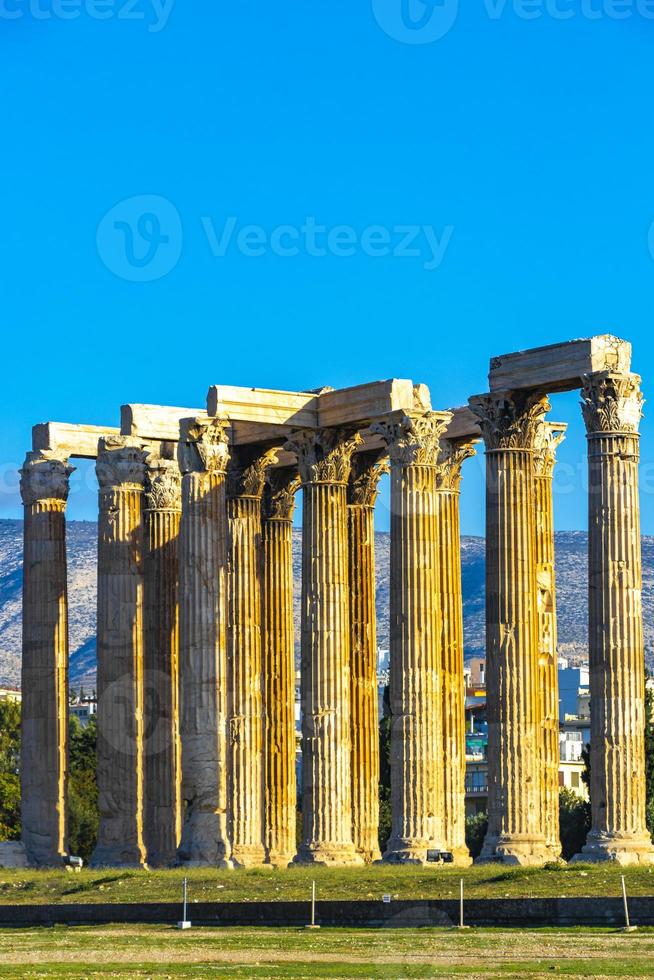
[
  {"x": 367, "y": 470},
  {"x": 413, "y": 440},
  {"x": 121, "y": 463},
  {"x": 510, "y": 419},
  {"x": 44, "y": 477},
  {"x": 204, "y": 445},
  {"x": 247, "y": 470},
  {"x": 612, "y": 403},
  {"x": 452, "y": 455},
  {"x": 279, "y": 493},
  {"x": 549, "y": 437},
  {"x": 163, "y": 484},
  {"x": 324, "y": 455}
]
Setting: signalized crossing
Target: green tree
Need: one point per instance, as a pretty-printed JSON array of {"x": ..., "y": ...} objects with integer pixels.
[
  {"x": 574, "y": 822},
  {"x": 476, "y": 827},
  {"x": 9, "y": 770},
  {"x": 385, "y": 773},
  {"x": 82, "y": 788},
  {"x": 649, "y": 755}
]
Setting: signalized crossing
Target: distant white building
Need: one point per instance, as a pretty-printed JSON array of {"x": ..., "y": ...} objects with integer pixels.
[
  {"x": 10, "y": 694},
  {"x": 83, "y": 711}
]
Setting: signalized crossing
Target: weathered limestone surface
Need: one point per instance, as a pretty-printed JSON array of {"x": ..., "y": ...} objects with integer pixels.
[
  {"x": 448, "y": 480},
  {"x": 163, "y": 508},
  {"x": 509, "y": 423},
  {"x": 316, "y": 409},
  {"x": 64, "y": 440},
  {"x": 463, "y": 425},
  {"x": 372, "y": 401},
  {"x": 203, "y": 542},
  {"x": 612, "y": 407},
  {"x": 367, "y": 468},
  {"x": 247, "y": 473},
  {"x": 324, "y": 458},
  {"x": 415, "y": 677},
  {"x": 44, "y": 723},
  {"x": 548, "y": 436},
  {"x": 280, "y": 791},
  {"x": 121, "y": 474},
  {"x": 559, "y": 367}
]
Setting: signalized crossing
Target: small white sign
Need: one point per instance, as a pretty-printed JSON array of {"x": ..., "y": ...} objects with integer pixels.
[{"x": 386, "y": 899}]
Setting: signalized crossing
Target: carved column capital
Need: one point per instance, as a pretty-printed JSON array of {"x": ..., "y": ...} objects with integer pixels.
[
  {"x": 279, "y": 493},
  {"x": 611, "y": 403},
  {"x": 413, "y": 439},
  {"x": 367, "y": 470},
  {"x": 163, "y": 484},
  {"x": 121, "y": 463},
  {"x": 510, "y": 419},
  {"x": 204, "y": 445},
  {"x": 44, "y": 477},
  {"x": 246, "y": 475},
  {"x": 451, "y": 457},
  {"x": 549, "y": 437},
  {"x": 324, "y": 455}
]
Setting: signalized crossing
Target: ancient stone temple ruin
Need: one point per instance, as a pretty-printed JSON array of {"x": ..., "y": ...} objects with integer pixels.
[{"x": 195, "y": 644}]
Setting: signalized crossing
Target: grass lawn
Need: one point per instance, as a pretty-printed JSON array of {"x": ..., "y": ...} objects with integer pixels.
[
  {"x": 159, "y": 951},
  {"x": 293, "y": 884}
]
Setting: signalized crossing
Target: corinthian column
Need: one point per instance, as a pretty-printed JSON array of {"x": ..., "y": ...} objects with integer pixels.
[
  {"x": 548, "y": 437},
  {"x": 367, "y": 469},
  {"x": 324, "y": 459},
  {"x": 203, "y": 453},
  {"x": 509, "y": 423},
  {"x": 280, "y": 792},
  {"x": 415, "y": 667},
  {"x": 448, "y": 536},
  {"x": 245, "y": 787},
  {"x": 44, "y": 709},
  {"x": 121, "y": 474},
  {"x": 163, "y": 499},
  {"x": 612, "y": 410}
]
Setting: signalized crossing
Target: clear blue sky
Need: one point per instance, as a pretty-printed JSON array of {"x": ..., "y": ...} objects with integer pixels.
[{"x": 525, "y": 146}]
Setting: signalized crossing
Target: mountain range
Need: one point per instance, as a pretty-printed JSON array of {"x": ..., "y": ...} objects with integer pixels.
[{"x": 571, "y": 572}]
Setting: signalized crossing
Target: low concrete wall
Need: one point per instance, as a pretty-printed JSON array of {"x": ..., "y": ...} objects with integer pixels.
[{"x": 506, "y": 912}]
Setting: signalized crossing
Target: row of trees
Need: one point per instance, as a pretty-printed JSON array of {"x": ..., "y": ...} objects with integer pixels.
[
  {"x": 83, "y": 792},
  {"x": 82, "y": 786}
]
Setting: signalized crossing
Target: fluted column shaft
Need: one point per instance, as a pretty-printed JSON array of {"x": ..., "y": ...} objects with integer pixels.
[
  {"x": 324, "y": 459},
  {"x": 415, "y": 655},
  {"x": 246, "y": 482},
  {"x": 367, "y": 469},
  {"x": 515, "y": 825},
  {"x": 44, "y": 708},
  {"x": 203, "y": 549},
  {"x": 163, "y": 772},
  {"x": 612, "y": 410},
  {"x": 548, "y": 437},
  {"x": 451, "y": 457},
  {"x": 121, "y": 473},
  {"x": 280, "y": 791}
]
